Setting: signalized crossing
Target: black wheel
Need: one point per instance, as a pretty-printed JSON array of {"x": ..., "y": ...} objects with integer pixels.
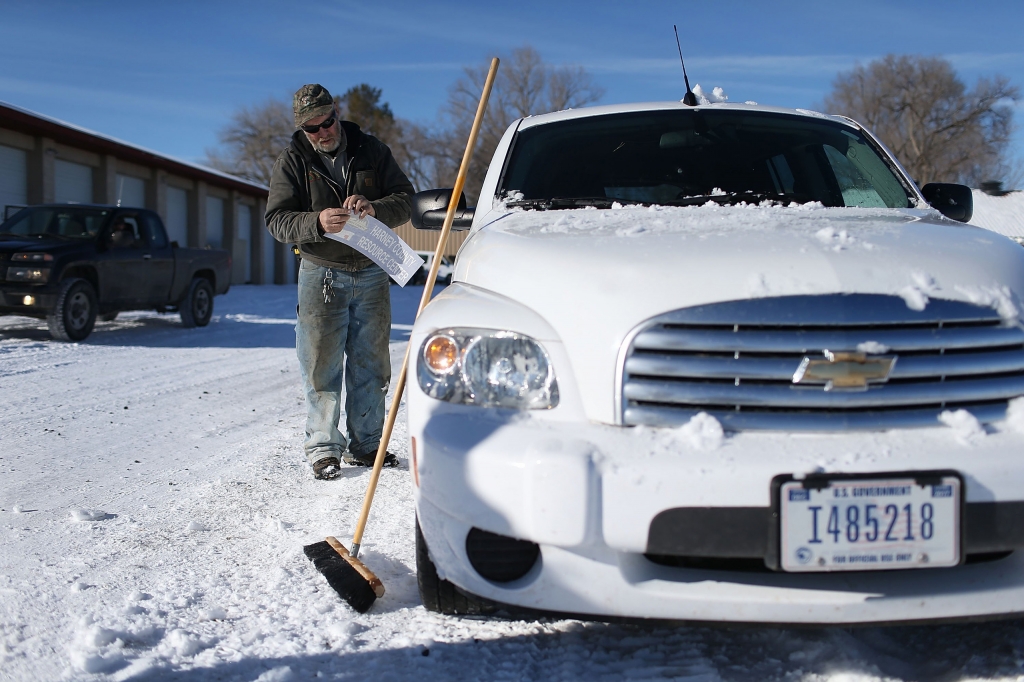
[
  {"x": 440, "y": 595},
  {"x": 196, "y": 308},
  {"x": 74, "y": 315}
]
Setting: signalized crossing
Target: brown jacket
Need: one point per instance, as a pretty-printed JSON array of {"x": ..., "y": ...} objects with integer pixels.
[{"x": 301, "y": 186}]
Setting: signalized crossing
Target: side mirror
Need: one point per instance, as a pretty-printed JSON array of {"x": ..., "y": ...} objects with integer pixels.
[
  {"x": 430, "y": 207},
  {"x": 956, "y": 202}
]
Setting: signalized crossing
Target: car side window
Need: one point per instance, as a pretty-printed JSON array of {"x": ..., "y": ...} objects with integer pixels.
[
  {"x": 154, "y": 232},
  {"x": 125, "y": 233}
]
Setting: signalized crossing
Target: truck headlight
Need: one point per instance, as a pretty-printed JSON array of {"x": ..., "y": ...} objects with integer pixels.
[
  {"x": 21, "y": 274},
  {"x": 488, "y": 368}
]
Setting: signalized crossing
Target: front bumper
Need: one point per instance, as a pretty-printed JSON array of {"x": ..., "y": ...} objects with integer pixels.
[
  {"x": 12, "y": 299},
  {"x": 602, "y": 583},
  {"x": 588, "y": 495}
]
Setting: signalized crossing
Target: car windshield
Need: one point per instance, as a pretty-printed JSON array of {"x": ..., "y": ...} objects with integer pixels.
[
  {"x": 64, "y": 221},
  {"x": 695, "y": 156}
]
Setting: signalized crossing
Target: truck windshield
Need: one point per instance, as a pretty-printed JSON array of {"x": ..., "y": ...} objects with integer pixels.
[
  {"x": 74, "y": 222},
  {"x": 692, "y": 157}
]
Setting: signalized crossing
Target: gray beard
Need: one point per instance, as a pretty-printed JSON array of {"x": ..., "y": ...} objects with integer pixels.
[{"x": 326, "y": 147}]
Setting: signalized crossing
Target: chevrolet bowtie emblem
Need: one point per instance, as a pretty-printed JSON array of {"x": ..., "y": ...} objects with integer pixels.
[{"x": 850, "y": 371}]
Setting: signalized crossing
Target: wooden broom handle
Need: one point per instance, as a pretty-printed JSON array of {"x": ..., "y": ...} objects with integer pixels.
[{"x": 442, "y": 240}]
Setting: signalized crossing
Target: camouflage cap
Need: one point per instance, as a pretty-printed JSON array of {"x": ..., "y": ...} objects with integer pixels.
[{"x": 311, "y": 101}]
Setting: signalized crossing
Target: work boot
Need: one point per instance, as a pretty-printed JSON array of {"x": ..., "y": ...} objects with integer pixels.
[
  {"x": 367, "y": 460},
  {"x": 326, "y": 468}
]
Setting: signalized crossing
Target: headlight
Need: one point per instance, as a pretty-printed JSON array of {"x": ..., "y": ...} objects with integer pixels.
[
  {"x": 28, "y": 274},
  {"x": 32, "y": 257},
  {"x": 487, "y": 368}
]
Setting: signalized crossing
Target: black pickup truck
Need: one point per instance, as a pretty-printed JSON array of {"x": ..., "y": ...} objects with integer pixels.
[{"x": 69, "y": 263}]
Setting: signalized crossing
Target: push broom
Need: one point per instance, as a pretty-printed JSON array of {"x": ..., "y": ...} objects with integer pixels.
[{"x": 345, "y": 573}]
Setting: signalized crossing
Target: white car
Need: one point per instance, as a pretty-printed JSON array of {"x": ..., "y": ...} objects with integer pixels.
[{"x": 798, "y": 399}]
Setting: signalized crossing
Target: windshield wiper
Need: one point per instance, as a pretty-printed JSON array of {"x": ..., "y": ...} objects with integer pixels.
[{"x": 572, "y": 202}]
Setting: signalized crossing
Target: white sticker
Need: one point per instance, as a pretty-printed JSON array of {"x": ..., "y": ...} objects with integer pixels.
[{"x": 379, "y": 243}]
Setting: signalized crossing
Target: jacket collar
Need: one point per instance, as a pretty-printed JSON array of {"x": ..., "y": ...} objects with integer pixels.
[{"x": 302, "y": 146}]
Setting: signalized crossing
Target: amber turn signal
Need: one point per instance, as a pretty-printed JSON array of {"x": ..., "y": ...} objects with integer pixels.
[{"x": 440, "y": 354}]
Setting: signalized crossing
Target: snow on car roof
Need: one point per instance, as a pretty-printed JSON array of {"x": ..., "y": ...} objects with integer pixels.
[{"x": 585, "y": 112}]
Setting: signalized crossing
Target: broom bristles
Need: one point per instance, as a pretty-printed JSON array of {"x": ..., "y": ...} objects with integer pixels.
[{"x": 343, "y": 577}]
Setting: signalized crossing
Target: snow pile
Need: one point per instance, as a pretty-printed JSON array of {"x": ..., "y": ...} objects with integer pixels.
[
  {"x": 83, "y": 515},
  {"x": 1004, "y": 214},
  {"x": 712, "y": 218},
  {"x": 966, "y": 427},
  {"x": 1015, "y": 415},
  {"x": 716, "y": 96},
  {"x": 916, "y": 294},
  {"x": 837, "y": 240},
  {"x": 998, "y": 297},
  {"x": 702, "y": 432}
]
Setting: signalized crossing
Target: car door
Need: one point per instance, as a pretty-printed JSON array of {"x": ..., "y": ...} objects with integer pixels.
[
  {"x": 122, "y": 267},
  {"x": 158, "y": 252}
]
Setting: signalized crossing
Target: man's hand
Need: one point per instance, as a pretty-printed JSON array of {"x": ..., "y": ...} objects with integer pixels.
[
  {"x": 333, "y": 219},
  {"x": 357, "y": 202}
]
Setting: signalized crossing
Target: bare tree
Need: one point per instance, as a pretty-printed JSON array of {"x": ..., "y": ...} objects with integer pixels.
[
  {"x": 361, "y": 104},
  {"x": 525, "y": 85},
  {"x": 430, "y": 155},
  {"x": 920, "y": 109},
  {"x": 252, "y": 141}
]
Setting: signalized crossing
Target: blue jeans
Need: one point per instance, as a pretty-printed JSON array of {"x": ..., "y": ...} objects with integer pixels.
[{"x": 345, "y": 339}]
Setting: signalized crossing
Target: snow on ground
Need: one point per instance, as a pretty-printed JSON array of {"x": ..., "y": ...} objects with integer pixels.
[
  {"x": 1004, "y": 214},
  {"x": 154, "y": 502}
]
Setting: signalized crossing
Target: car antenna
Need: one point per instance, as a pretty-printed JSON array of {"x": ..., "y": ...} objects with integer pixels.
[{"x": 689, "y": 99}]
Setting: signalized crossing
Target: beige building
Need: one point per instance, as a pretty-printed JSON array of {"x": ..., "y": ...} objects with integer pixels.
[{"x": 43, "y": 160}]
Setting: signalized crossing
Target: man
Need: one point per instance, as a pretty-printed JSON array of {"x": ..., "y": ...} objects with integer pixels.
[{"x": 332, "y": 170}]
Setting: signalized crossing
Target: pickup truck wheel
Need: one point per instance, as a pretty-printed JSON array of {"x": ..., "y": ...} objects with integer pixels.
[
  {"x": 196, "y": 308},
  {"x": 74, "y": 314},
  {"x": 440, "y": 595}
]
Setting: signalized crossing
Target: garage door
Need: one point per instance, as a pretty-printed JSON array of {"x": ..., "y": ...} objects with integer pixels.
[
  {"x": 177, "y": 215},
  {"x": 215, "y": 222},
  {"x": 72, "y": 182},
  {"x": 269, "y": 246},
  {"x": 243, "y": 250},
  {"x": 13, "y": 182},
  {"x": 131, "y": 191}
]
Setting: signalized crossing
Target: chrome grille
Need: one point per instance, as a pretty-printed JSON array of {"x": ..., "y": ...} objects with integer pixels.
[{"x": 736, "y": 361}]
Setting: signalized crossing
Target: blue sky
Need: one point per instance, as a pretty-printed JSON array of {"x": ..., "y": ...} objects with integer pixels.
[{"x": 168, "y": 75}]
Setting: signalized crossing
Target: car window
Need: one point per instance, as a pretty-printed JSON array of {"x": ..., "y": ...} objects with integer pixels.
[
  {"x": 690, "y": 157},
  {"x": 125, "y": 233},
  {"x": 80, "y": 223},
  {"x": 153, "y": 232}
]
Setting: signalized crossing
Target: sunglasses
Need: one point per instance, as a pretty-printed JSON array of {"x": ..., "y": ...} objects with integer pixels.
[{"x": 312, "y": 130}]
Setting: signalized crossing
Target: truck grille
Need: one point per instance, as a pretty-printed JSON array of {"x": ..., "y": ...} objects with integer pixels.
[{"x": 737, "y": 360}]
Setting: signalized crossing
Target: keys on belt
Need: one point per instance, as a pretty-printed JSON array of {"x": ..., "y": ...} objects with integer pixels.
[{"x": 329, "y": 286}]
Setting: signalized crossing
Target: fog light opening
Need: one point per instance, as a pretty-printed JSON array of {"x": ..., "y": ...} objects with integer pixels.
[
  {"x": 29, "y": 300},
  {"x": 498, "y": 558}
]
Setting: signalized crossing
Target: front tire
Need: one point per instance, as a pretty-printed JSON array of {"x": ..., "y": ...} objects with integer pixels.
[
  {"x": 74, "y": 315},
  {"x": 441, "y": 596},
  {"x": 196, "y": 308}
]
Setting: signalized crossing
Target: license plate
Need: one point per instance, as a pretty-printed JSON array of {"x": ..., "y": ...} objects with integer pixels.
[{"x": 848, "y": 523}]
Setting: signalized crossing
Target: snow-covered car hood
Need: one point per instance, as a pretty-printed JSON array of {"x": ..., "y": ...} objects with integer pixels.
[{"x": 594, "y": 275}]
